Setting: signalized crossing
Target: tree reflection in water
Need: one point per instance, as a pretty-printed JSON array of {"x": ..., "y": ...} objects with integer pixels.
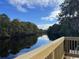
[{"x": 17, "y": 41}]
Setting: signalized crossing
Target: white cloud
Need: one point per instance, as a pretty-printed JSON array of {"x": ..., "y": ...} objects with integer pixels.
[
  {"x": 30, "y": 3},
  {"x": 44, "y": 26},
  {"x": 21, "y": 9},
  {"x": 53, "y": 14},
  {"x": 20, "y": 4}
]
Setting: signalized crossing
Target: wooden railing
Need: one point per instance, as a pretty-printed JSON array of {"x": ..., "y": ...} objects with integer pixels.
[
  {"x": 53, "y": 50},
  {"x": 58, "y": 49},
  {"x": 71, "y": 46}
]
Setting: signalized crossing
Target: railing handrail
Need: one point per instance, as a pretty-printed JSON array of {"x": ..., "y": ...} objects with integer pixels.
[
  {"x": 72, "y": 38},
  {"x": 71, "y": 46},
  {"x": 43, "y": 51}
]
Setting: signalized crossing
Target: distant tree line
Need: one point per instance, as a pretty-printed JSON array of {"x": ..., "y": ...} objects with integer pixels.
[
  {"x": 10, "y": 27},
  {"x": 68, "y": 21},
  {"x": 16, "y": 35}
]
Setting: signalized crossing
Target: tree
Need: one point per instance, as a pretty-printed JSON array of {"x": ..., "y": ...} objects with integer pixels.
[
  {"x": 4, "y": 22},
  {"x": 69, "y": 17},
  {"x": 54, "y": 32},
  {"x": 68, "y": 20},
  {"x": 16, "y": 35}
]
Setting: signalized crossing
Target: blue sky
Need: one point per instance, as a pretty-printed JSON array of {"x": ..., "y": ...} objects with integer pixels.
[{"x": 41, "y": 12}]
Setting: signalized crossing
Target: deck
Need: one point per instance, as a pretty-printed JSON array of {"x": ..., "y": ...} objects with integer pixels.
[{"x": 62, "y": 48}]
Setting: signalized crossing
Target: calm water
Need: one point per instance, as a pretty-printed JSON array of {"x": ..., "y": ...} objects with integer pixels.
[{"x": 40, "y": 42}]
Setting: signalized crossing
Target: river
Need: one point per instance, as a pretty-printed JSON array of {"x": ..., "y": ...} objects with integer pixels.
[{"x": 42, "y": 40}]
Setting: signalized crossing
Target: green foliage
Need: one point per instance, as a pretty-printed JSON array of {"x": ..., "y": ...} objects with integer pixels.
[
  {"x": 68, "y": 20},
  {"x": 16, "y": 35},
  {"x": 54, "y": 32}
]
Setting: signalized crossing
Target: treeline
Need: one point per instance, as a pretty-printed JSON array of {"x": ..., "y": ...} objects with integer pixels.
[
  {"x": 16, "y": 35},
  {"x": 10, "y": 27},
  {"x": 68, "y": 21}
]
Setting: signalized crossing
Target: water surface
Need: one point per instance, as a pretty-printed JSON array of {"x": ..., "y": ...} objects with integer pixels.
[{"x": 42, "y": 40}]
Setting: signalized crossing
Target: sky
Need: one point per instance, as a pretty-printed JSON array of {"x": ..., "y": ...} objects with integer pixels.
[{"x": 41, "y": 12}]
